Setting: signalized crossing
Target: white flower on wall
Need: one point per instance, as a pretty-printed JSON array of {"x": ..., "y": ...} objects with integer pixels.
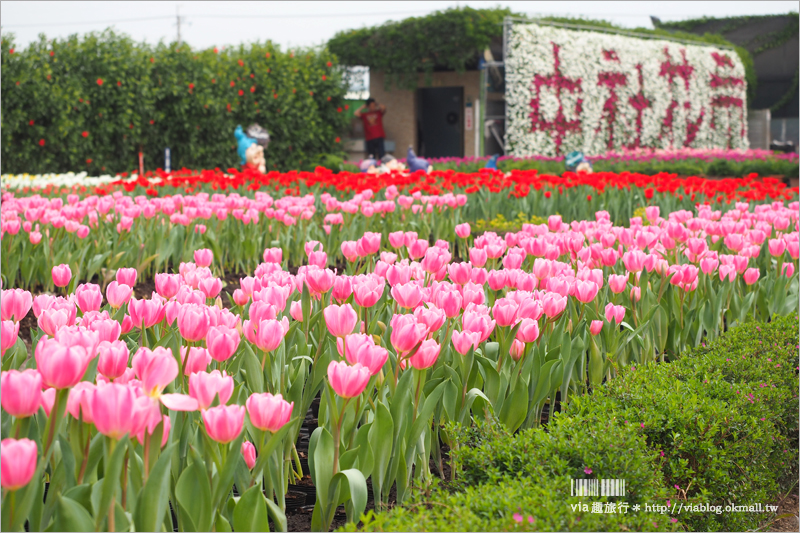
[{"x": 576, "y": 90}]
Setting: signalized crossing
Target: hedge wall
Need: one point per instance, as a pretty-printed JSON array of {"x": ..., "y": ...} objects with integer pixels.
[{"x": 93, "y": 103}]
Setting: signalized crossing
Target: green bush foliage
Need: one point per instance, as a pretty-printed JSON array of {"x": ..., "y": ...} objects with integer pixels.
[
  {"x": 94, "y": 103},
  {"x": 717, "y": 426}
]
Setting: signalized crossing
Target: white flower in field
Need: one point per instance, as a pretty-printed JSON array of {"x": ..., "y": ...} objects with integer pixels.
[{"x": 576, "y": 90}]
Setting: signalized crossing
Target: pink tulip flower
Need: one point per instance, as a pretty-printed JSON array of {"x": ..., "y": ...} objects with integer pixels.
[
  {"x": 17, "y": 463},
  {"x": 127, "y": 276},
  {"x": 268, "y": 412},
  {"x": 205, "y": 386},
  {"x": 367, "y": 291},
  {"x": 9, "y": 332},
  {"x": 463, "y": 230},
  {"x": 751, "y": 275},
  {"x": 341, "y": 320},
  {"x": 167, "y": 285},
  {"x": 528, "y": 330},
  {"x": 22, "y": 392},
  {"x": 197, "y": 360},
  {"x": 150, "y": 425},
  {"x": 61, "y": 275},
  {"x": 193, "y": 322},
  {"x": 118, "y": 294},
  {"x": 407, "y": 332},
  {"x": 426, "y": 355},
  {"x": 61, "y": 366},
  {"x": 348, "y": 381},
  {"x": 145, "y": 313},
  {"x": 113, "y": 360},
  {"x": 505, "y": 312},
  {"x": 273, "y": 255},
  {"x": 79, "y": 402},
  {"x": 296, "y": 310},
  {"x": 464, "y": 340},
  {"x": 15, "y": 304},
  {"x": 155, "y": 368},
  {"x": 222, "y": 342},
  {"x": 614, "y": 313},
  {"x": 88, "y": 297},
  {"x": 116, "y": 410},
  {"x": 224, "y": 422},
  {"x": 517, "y": 349},
  {"x": 204, "y": 257},
  {"x": 596, "y": 327},
  {"x": 210, "y": 287},
  {"x": 249, "y": 454}
]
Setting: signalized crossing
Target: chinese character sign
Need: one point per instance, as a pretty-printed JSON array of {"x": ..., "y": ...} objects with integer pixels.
[{"x": 593, "y": 92}]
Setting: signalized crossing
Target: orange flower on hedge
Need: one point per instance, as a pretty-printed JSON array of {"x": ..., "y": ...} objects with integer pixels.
[
  {"x": 241, "y": 63},
  {"x": 233, "y": 83},
  {"x": 85, "y": 134},
  {"x": 216, "y": 50},
  {"x": 30, "y": 123},
  {"x": 324, "y": 77},
  {"x": 337, "y": 139},
  {"x": 52, "y": 53},
  {"x": 152, "y": 60},
  {"x": 275, "y": 95},
  {"x": 191, "y": 86},
  {"x": 88, "y": 161},
  {"x": 329, "y": 64},
  {"x": 99, "y": 81},
  {"x": 253, "y": 89},
  {"x": 267, "y": 55},
  {"x": 152, "y": 122},
  {"x": 41, "y": 142},
  {"x": 241, "y": 92},
  {"x": 119, "y": 83}
]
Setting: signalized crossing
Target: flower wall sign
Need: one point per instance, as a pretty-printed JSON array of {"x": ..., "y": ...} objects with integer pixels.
[{"x": 594, "y": 92}]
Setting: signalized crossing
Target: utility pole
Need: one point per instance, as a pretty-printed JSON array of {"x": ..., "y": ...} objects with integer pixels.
[{"x": 178, "y": 16}]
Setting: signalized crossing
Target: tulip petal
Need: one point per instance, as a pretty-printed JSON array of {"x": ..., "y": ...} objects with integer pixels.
[{"x": 179, "y": 402}]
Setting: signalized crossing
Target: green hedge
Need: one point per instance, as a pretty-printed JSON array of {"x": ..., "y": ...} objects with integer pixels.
[
  {"x": 160, "y": 96},
  {"x": 685, "y": 431}
]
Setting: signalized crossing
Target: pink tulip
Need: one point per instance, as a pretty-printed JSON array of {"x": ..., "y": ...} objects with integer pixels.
[
  {"x": 463, "y": 341},
  {"x": 61, "y": 366},
  {"x": 193, "y": 322},
  {"x": 366, "y": 353},
  {"x": 505, "y": 312},
  {"x": 530, "y": 308},
  {"x": 222, "y": 342},
  {"x": 407, "y": 332},
  {"x": 418, "y": 248},
  {"x": 61, "y": 275},
  {"x": 788, "y": 270},
  {"x": 224, "y": 422},
  {"x": 319, "y": 280},
  {"x": 431, "y": 316},
  {"x": 118, "y": 294},
  {"x": 269, "y": 335},
  {"x": 478, "y": 322},
  {"x": 15, "y": 304},
  {"x": 116, "y": 410},
  {"x": 367, "y": 291},
  {"x": 127, "y": 276},
  {"x": 350, "y": 250},
  {"x": 145, "y": 313},
  {"x": 342, "y": 288},
  {"x": 776, "y": 247},
  {"x": 463, "y": 230},
  {"x": 17, "y": 463},
  {"x": 408, "y": 295},
  {"x": 553, "y": 304},
  {"x": 268, "y": 412},
  {"x": 460, "y": 273},
  {"x": 197, "y": 360},
  {"x": 497, "y": 279},
  {"x": 240, "y": 298},
  {"x": 636, "y": 294},
  {"x": 22, "y": 392},
  {"x": 167, "y": 285},
  {"x": 596, "y": 327},
  {"x": 477, "y": 257},
  {"x": 150, "y": 425},
  {"x": 296, "y": 310},
  {"x": 368, "y": 244},
  {"x": 205, "y": 386},
  {"x": 51, "y": 320},
  {"x": 273, "y": 255},
  {"x": 396, "y": 239},
  {"x": 249, "y": 454},
  {"x": 528, "y": 330},
  {"x": 617, "y": 283},
  {"x": 9, "y": 331},
  {"x": 79, "y": 402},
  {"x": 793, "y": 248},
  {"x": 634, "y": 260},
  {"x": 113, "y": 360},
  {"x": 517, "y": 349},
  {"x": 88, "y": 297},
  {"x": 341, "y": 320},
  {"x": 426, "y": 355},
  {"x": 614, "y": 313},
  {"x": 210, "y": 287},
  {"x": 348, "y": 381},
  {"x": 155, "y": 368},
  {"x": 751, "y": 275},
  {"x": 450, "y": 302},
  {"x": 727, "y": 271},
  {"x": 554, "y": 223},
  {"x": 204, "y": 257}
]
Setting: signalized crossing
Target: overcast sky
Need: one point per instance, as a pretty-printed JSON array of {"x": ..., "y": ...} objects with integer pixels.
[{"x": 206, "y": 24}]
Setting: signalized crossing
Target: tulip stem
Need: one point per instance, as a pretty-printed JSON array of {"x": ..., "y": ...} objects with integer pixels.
[
  {"x": 336, "y": 437},
  {"x": 85, "y": 460}
]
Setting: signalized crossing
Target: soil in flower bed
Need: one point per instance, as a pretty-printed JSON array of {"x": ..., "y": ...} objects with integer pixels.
[{"x": 789, "y": 506}]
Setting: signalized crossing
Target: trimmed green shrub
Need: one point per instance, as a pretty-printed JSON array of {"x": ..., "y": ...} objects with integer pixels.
[
  {"x": 718, "y": 426},
  {"x": 94, "y": 103}
]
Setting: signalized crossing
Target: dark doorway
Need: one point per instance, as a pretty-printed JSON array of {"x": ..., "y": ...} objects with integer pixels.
[{"x": 440, "y": 122}]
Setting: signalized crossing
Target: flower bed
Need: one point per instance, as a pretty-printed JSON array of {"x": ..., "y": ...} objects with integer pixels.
[
  {"x": 744, "y": 380},
  {"x": 405, "y": 340}
]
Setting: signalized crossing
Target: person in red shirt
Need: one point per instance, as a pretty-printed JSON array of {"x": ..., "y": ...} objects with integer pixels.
[{"x": 373, "y": 127}]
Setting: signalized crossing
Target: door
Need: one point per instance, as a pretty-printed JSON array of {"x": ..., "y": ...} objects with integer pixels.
[{"x": 441, "y": 122}]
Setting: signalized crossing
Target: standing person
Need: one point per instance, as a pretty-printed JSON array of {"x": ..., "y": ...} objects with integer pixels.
[{"x": 373, "y": 127}]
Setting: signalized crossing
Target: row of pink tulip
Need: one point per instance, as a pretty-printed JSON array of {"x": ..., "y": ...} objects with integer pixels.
[{"x": 411, "y": 337}]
